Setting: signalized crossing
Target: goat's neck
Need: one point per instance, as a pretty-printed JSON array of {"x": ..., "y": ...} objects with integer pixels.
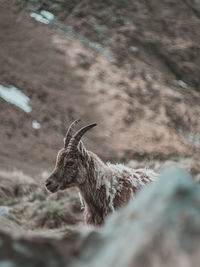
[
  {"x": 92, "y": 191},
  {"x": 96, "y": 170}
]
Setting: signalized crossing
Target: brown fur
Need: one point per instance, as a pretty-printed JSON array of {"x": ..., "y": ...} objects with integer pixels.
[{"x": 103, "y": 188}]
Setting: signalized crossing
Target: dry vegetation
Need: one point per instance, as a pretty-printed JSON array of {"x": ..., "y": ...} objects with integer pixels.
[{"x": 25, "y": 201}]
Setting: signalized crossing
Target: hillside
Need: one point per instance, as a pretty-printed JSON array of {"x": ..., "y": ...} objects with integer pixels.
[
  {"x": 134, "y": 71},
  {"x": 133, "y": 67}
]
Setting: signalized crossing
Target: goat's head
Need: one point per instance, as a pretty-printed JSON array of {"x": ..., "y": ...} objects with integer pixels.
[{"x": 71, "y": 163}]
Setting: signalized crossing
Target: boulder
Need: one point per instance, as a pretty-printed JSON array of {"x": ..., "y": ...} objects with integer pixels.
[{"x": 161, "y": 227}]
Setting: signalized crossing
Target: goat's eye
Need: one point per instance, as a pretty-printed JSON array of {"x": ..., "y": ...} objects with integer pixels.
[{"x": 69, "y": 163}]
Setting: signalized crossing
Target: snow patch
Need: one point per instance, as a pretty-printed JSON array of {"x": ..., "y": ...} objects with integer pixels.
[
  {"x": 44, "y": 17},
  {"x": 36, "y": 125},
  {"x": 15, "y": 97},
  {"x": 48, "y": 15}
]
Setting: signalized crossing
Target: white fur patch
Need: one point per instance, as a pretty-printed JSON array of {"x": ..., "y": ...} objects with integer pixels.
[{"x": 118, "y": 173}]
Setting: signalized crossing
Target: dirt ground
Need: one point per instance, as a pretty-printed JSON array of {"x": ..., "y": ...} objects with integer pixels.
[{"x": 144, "y": 92}]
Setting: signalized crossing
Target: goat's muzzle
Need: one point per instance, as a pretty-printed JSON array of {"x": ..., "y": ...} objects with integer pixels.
[{"x": 52, "y": 187}]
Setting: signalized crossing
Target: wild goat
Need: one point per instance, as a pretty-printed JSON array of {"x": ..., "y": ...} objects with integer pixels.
[{"x": 103, "y": 187}]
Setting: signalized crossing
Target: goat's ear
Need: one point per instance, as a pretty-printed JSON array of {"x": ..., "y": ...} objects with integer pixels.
[{"x": 82, "y": 149}]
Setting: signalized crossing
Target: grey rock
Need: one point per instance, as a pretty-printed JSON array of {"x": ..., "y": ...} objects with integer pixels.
[{"x": 161, "y": 227}]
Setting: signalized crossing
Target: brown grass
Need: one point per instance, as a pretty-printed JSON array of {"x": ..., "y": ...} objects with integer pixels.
[{"x": 25, "y": 203}]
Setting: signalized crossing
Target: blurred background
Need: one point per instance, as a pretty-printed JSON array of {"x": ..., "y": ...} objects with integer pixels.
[{"x": 132, "y": 66}]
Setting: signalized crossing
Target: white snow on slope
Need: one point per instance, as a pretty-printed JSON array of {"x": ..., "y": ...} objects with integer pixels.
[{"x": 15, "y": 97}]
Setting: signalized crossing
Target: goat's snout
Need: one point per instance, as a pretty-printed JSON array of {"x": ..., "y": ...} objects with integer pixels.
[{"x": 51, "y": 185}]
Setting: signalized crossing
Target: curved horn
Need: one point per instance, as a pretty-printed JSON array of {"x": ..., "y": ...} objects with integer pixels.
[
  {"x": 68, "y": 135},
  {"x": 77, "y": 136}
]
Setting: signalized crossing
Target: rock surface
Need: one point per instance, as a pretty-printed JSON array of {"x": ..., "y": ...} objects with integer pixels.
[{"x": 160, "y": 228}]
